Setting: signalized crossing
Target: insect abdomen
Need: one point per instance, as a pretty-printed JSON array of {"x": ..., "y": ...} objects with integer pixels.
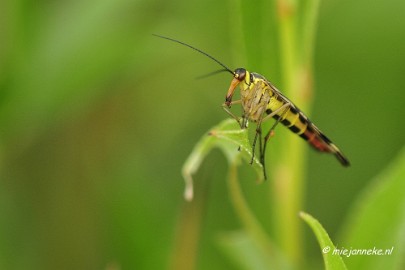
[
  {"x": 298, "y": 123},
  {"x": 322, "y": 143},
  {"x": 293, "y": 119}
]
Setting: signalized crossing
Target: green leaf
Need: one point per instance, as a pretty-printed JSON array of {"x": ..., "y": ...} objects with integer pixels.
[
  {"x": 227, "y": 136},
  {"x": 332, "y": 261},
  {"x": 378, "y": 221}
]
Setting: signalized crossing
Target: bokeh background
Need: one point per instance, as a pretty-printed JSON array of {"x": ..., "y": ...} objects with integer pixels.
[{"x": 97, "y": 117}]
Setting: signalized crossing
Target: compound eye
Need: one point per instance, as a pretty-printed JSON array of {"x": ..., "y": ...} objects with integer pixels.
[{"x": 240, "y": 74}]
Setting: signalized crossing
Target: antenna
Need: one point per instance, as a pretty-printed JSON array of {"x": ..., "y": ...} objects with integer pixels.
[
  {"x": 198, "y": 50},
  {"x": 211, "y": 73}
]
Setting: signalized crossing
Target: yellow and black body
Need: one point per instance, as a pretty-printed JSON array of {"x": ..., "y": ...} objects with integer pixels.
[{"x": 262, "y": 101}]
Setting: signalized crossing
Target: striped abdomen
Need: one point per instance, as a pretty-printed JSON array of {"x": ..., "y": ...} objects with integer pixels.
[{"x": 298, "y": 123}]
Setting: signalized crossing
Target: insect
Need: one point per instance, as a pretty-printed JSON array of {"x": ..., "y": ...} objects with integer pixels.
[{"x": 261, "y": 101}]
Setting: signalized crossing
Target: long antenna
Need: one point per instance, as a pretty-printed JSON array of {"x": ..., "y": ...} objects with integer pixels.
[
  {"x": 211, "y": 73},
  {"x": 198, "y": 50}
]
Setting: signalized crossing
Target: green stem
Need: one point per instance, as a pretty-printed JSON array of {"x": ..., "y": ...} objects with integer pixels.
[
  {"x": 309, "y": 22},
  {"x": 249, "y": 221},
  {"x": 296, "y": 28},
  {"x": 289, "y": 174},
  {"x": 188, "y": 231},
  {"x": 287, "y": 12}
]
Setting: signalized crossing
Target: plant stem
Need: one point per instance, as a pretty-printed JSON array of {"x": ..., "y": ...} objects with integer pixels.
[
  {"x": 296, "y": 24},
  {"x": 188, "y": 231},
  {"x": 289, "y": 173},
  {"x": 249, "y": 221},
  {"x": 309, "y": 22}
]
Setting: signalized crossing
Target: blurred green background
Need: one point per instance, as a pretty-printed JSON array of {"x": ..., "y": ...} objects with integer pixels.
[{"x": 97, "y": 117}]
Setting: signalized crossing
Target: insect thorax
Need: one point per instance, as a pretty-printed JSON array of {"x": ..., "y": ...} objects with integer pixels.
[{"x": 255, "y": 98}]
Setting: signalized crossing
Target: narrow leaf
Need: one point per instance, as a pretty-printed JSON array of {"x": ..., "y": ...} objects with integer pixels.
[{"x": 332, "y": 260}]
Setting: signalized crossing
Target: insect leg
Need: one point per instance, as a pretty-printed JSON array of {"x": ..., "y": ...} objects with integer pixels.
[
  {"x": 262, "y": 156},
  {"x": 285, "y": 108},
  {"x": 258, "y": 132},
  {"x": 228, "y": 111}
]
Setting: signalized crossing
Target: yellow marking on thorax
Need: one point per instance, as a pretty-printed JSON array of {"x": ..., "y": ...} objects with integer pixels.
[{"x": 255, "y": 97}]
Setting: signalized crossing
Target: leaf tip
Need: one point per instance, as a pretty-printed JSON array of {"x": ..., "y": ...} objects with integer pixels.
[
  {"x": 188, "y": 191},
  {"x": 302, "y": 214}
]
